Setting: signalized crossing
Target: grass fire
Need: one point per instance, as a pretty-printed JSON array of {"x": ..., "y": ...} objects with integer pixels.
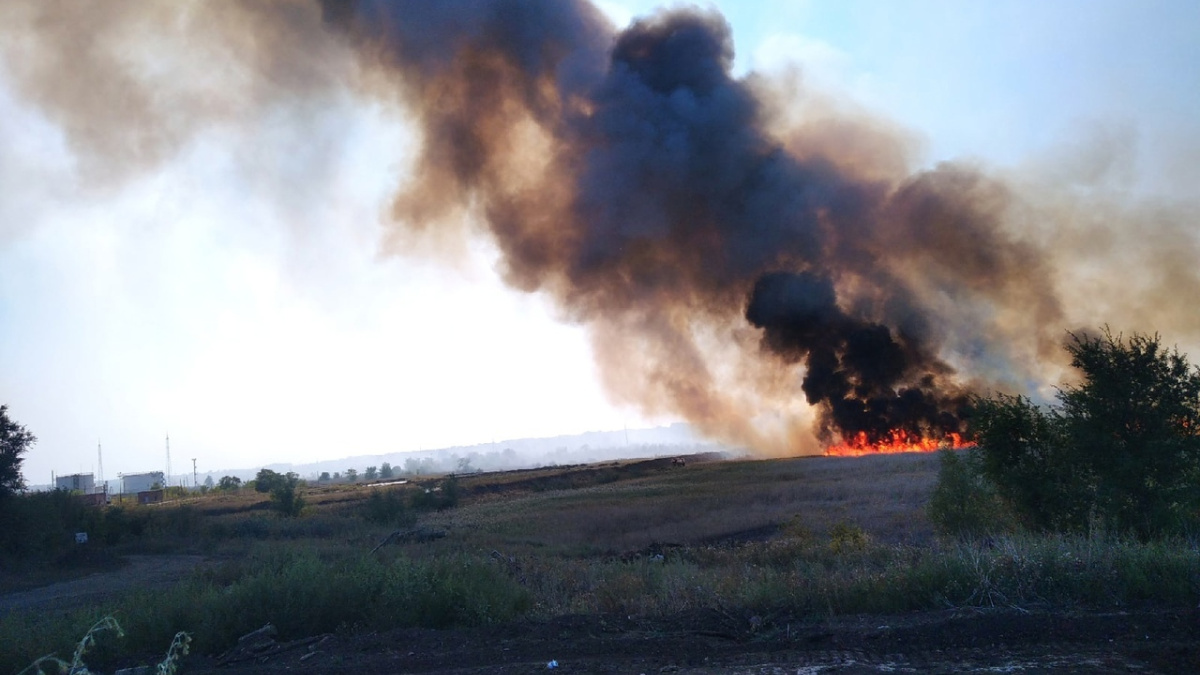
[{"x": 931, "y": 413}]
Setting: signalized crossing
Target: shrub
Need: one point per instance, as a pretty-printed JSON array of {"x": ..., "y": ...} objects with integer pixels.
[
  {"x": 285, "y": 498},
  {"x": 847, "y": 537},
  {"x": 440, "y": 498},
  {"x": 387, "y": 507},
  {"x": 1025, "y": 453},
  {"x": 168, "y": 666},
  {"x": 1135, "y": 425},
  {"x": 964, "y": 503},
  {"x": 1122, "y": 447},
  {"x": 43, "y": 524},
  {"x": 287, "y": 501}
]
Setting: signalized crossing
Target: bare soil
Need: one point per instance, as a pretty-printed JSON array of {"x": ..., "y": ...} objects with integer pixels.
[{"x": 994, "y": 640}]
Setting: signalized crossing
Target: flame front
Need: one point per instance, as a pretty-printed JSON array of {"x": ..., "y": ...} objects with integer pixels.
[{"x": 896, "y": 441}]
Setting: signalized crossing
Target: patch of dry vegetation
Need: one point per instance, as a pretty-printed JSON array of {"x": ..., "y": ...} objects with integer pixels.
[{"x": 747, "y": 540}]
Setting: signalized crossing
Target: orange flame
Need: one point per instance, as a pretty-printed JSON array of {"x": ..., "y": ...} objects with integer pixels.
[{"x": 895, "y": 442}]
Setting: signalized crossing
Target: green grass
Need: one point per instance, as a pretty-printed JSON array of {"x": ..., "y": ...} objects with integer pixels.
[{"x": 301, "y": 592}]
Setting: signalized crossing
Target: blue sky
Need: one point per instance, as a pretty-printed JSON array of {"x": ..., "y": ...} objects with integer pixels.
[{"x": 187, "y": 300}]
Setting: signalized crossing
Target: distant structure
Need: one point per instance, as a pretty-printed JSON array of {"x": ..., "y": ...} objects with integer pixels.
[
  {"x": 76, "y": 482},
  {"x": 150, "y": 497},
  {"x": 95, "y": 499},
  {"x": 142, "y": 482}
]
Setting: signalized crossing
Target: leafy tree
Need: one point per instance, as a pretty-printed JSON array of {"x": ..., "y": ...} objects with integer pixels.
[
  {"x": 15, "y": 440},
  {"x": 324, "y": 477},
  {"x": 287, "y": 500},
  {"x": 285, "y": 496},
  {"x": 230, "y": 483},
  {"x": 267, "y": 480},
  {"x": 208, "y": 482},
  {"x": 371, "y": 473},
  {"x": 385, "y": 471},
  {"x": 1029, "y": 459},
  {"x": 1122, "y": 446},
  {"x": 1137, "y": 416},
  {"x": 352, "y": 475}
]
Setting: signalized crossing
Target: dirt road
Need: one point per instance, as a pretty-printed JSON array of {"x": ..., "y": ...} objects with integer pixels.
[{"x": 139, "y": 571}]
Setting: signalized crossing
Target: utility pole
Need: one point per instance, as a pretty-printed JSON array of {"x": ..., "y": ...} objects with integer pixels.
[
  {"x": 100, "y": 466},
  {"x": 194, "y": 483},
  {"x": 167, "y": 478}
]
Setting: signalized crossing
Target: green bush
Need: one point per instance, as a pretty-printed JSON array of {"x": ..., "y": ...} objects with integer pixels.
[
  {"x": 387, "y": 507},
  {"x": 1026, "y": 454},
  {"x": 847, "y": 538},
  {"x": 286, "y": 498},
  {"x": 444, "y": 496},
  {"x": 301, "y": 593},
  {"x": 1122, "y": 448},
  {"x": 43, "y": 524},
  {"x": 964, "y": 503}
]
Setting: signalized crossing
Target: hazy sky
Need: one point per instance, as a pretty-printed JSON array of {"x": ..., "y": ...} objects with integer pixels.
[{"x": 189, "y": 300}]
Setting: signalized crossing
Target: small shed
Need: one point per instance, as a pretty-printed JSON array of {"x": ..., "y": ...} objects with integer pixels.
[
  {"x": 94, "y": 499},
  {"x": 150, "y": 496}
]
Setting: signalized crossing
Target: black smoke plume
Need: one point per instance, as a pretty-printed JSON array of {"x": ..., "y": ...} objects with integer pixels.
[{"x": 868, "y": 383}]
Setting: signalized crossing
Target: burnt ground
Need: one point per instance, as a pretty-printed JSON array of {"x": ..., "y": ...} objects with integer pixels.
[{"x": 952, "y": 641}]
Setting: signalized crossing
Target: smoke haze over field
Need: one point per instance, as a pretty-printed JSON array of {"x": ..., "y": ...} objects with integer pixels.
[{"x": 744, "y": 251}]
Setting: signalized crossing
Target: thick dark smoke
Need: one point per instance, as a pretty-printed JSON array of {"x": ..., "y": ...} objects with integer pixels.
[
  {"x": 638, "y": 182},
  {"x": 729, "y": 262},
  {"x": 868, "y": 382}
]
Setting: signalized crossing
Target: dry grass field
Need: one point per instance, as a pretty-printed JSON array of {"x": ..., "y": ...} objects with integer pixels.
[
  {"x": 738, "y": 551},
  {"x": 709, "y": 502}
]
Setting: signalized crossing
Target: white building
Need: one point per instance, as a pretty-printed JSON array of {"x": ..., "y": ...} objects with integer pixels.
[
  {"x": 140, "y": 482},
  {"x": 82, "y": 482}
]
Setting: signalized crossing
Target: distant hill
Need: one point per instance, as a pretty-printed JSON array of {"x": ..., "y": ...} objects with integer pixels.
[{"x": 592, "y": 446}]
